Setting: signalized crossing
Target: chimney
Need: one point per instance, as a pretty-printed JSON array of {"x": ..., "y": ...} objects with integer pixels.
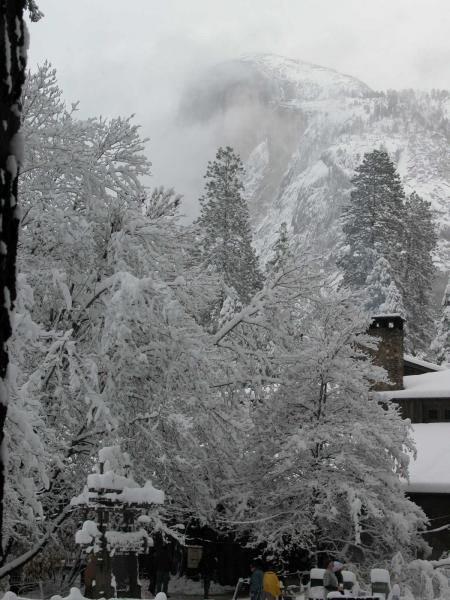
[{"x": 389, "y": 355}]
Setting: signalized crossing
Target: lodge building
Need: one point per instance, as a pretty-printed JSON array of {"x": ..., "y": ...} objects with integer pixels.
[{"x": 422, "y": 391}]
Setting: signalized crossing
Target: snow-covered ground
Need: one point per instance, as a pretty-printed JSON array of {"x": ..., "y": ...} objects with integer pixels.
[
  {"x": 182, "y": 586},
  {"x": 179, "y": 589}
]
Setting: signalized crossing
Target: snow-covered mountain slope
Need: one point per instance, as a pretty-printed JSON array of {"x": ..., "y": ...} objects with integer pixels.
[{"x": 302, "y": 129}]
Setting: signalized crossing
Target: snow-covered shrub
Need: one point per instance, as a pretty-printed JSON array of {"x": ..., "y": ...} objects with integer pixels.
[
  {"x": 420, "y": 580},
  {"x": 323, "y": 459}
]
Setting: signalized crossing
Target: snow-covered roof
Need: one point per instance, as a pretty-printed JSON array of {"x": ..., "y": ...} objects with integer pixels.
[
  {"x": 426, "y": 385},
  {"x": 109, "y": 481},
  {"x": 422, "y": 363},
  {"x": 138, "y": 495},
  {"x": 127, "y": 495},
  {"x": 429, "y": 472}
]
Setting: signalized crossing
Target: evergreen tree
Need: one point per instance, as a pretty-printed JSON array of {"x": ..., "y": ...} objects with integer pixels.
[
  {"x": 225, "y": 227},
  {"x": 393, "y": 303},
  {"x": 383, "y": 295},
  {"x": 230, "y": 307},
  {"x": 441, "y": 344},
  {"x": 373, "y": 221},
  {"x": 418, "y": 273},
  {"x": 281, "y": 251},
  {"x": 381, "y": 223}
]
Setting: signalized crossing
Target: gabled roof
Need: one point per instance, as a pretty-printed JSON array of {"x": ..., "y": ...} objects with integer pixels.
[{"x": 422, "y": 364}]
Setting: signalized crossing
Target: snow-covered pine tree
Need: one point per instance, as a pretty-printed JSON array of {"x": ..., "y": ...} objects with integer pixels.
[
  {"x": 418, "y": 273},
  {"x": 383, "y": 295},
  {"x": 380, "y": 221},
  {"x": 441, "y": 344},
  {"x": 226, "y": 238},
  {"x": 281, "y": 250},
  {"x": 13, "y": 60},
  {"x": 393, "y": 303},
  {"x": 162, "y": 203},
  {"x": 230, "y": 306},
  {"x": 373, "y": 220}
]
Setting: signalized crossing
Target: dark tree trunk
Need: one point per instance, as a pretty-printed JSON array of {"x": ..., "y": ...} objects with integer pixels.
[{"x": 13, "y": 46}]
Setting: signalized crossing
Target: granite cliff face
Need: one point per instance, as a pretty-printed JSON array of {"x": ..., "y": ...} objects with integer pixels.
[{"x": 302, "y": 129}]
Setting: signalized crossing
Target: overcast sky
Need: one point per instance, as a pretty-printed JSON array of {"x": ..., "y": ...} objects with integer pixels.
[{"x": 135, "y": 56}]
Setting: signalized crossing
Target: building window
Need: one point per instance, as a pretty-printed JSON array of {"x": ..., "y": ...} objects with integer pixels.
[
  {"x": 433, "y": 414},
  {"x": 447, "y": 414}
]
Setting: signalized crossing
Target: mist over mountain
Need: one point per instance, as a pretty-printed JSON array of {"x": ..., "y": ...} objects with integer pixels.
[{"x": 302, "y": 129}]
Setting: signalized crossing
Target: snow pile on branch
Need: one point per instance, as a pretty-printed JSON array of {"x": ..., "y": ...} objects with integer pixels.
[
  {"x": 138, "y": 495},
  {"x": 127, "y": 541},
  {"x": 88, "y": 533},
  {"x": 114, "y": 459}
]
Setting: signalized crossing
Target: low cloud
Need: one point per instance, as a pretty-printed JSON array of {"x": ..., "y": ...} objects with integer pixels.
[{"x": 139, "y": 57}]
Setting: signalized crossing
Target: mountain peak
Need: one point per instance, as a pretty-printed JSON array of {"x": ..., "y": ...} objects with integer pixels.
[
  {"x": 309, "y": 81},
  {"x": 302, "y": 130},
  {"x": 266, "y": 79}
]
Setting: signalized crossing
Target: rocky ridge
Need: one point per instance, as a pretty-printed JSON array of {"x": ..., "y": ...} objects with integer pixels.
[{"x": 302, "y": 129}]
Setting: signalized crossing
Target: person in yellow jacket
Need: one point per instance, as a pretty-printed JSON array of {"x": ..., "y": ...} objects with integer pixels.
[{"x": 271, "y": 585}]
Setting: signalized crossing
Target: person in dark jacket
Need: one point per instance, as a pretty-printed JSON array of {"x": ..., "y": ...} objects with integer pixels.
[
  {"x": 340, "y": 578},
  {"x": 207, "y": 566},
  {"x": 151, "y": 570},
  {"x": 163, "y": 564},
  {"x": 256, "y": 581},
  {"x": 337, "y": 568}
]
